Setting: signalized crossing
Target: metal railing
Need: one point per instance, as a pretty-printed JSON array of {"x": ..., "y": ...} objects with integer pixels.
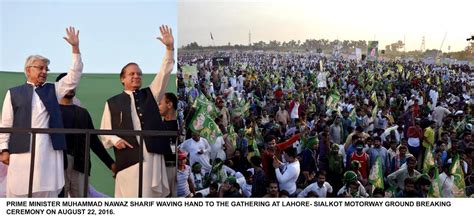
[{"x": 88, "y": 132}]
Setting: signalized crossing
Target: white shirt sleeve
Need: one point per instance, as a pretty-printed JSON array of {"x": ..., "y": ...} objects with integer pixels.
[
  {"x": 184, "y": 146},
  {"x": 71, "y": 80},
  {"x": 306, "y": 190},
  {"x": 160, "y": 82},
  {"x": 229, "y": 170},
  {"x": 446, "y": 111},
  {"x": 7, "y": 121},
  {"x": 106, "y": 124},
  {"x": 207, "y": 146},
  {"x": 329, "y": 187}
]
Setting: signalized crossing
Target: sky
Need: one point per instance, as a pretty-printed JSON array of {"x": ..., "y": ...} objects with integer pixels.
[
  {"x": 386, "y": 21},
  {"x": 112, "y": 33}
]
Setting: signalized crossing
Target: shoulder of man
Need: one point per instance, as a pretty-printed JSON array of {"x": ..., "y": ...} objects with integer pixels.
[
  {"x": 81, "y": 109},
  {"x": 16, "y": 90},
  {"x": 115, "y": 97},
  {"x": 47, "y": 84},
  {"x": 17, "y": 87}
]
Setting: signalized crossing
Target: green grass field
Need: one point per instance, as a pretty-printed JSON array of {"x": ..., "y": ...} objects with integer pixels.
[{"x": 93, "y": 91}]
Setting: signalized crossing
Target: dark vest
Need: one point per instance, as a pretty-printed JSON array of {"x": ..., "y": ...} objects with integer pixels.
[
  {"x": 21, "y": 98},
  {"x": 150, "y": 119}
]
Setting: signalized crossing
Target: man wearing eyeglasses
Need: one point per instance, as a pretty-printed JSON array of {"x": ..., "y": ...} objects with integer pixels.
[
  {"x": 137, "y": 109},
  {"x": 35, "y": 105}
]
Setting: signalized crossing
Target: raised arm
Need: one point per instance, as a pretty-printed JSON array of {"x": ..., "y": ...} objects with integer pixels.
[
  {"x": 160, "y": 82},
  {"x": 71, "y": 80},
  {"x": 282, "y": 146},
  {"x": 73, "y": 39}
]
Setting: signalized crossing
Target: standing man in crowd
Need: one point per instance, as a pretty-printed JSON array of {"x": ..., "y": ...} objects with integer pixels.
[
  {"x": 287, "y": 173},
  {"x": 35, "y": 105},
  {"x": 137, "y": 109},
  {"x": 198, "y": 149}
]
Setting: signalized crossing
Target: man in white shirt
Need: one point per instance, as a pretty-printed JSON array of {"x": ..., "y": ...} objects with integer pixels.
[
  {"x": 35, "y": 105},
  {"x": 217, "y": 149},
  {"x": 137, "y": 109},
  {"x": 439, "y": 113},
  {"x": 287, "y": 173},
  {"x": 434, "y": 97},
  {"x": 447, "y": 181},
  {"x": 321, "y": 187},
  {"x": 282, "y": 116},
  {"x": 199, "y": 150}
]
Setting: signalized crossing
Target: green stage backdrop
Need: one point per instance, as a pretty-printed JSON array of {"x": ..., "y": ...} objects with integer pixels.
[{"x": 93, "y": 91}]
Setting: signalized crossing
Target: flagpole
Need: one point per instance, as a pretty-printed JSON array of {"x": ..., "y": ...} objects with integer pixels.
[{"x": 212, "y": 38}]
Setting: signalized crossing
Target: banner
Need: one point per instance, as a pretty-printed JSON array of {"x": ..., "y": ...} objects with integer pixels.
[
  {"x": 202, "y": 102},
  {"x": 358, "y": 54},
  {"x": 332, "y": 100},
  {"x": 321, "y": 78},
  {"x": 220, "y": 61},
  {"x": 189, "y": 74},
  {"x": 373, "y": 50}
]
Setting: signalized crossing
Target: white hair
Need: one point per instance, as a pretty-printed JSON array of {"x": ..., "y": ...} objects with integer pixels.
[{"x": 33, "y": 58}]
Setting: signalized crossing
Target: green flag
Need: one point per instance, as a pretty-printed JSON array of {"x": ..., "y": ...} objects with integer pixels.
[
  {"x": 332, "y": 100},
  {"x": 376, "y": 175},
  {"x": 289, "y": 83},
  {"x": 353, "y": 115},
  {"x": 399, "y": 68},
  {"x": 373, "y": 97},
  {"x": 232, "y": 136},
  {"x": 375, "y": 110},
  {"x": 457, "y": 172},
  {"x": 435, "y": 188},
  {"x": 409, "y": 75},
  {"x": 429, "y": 161},
  {"x": 255, "y": 148},
  {"x": 371, "y": 76},
  {"x": 242, "y": 108},
  {"x": 202, "y": 102},
  {"x": 203, "y": 124}
]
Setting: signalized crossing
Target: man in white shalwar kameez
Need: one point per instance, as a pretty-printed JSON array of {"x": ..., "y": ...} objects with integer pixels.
[
  {"x": 199, "y": 151},
  {"x": 37, "y": 101},
  {"x": 142, "y": 109}
]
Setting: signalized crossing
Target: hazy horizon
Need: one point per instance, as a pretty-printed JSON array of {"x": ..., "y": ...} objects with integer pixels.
[{"x": 386, "y": 22}]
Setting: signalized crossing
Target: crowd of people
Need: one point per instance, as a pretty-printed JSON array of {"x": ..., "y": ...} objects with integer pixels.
[{"x": 310, "y": 125}]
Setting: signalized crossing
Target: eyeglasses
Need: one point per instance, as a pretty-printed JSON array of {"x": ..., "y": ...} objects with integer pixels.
[{"x": 41, "y": 68}]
